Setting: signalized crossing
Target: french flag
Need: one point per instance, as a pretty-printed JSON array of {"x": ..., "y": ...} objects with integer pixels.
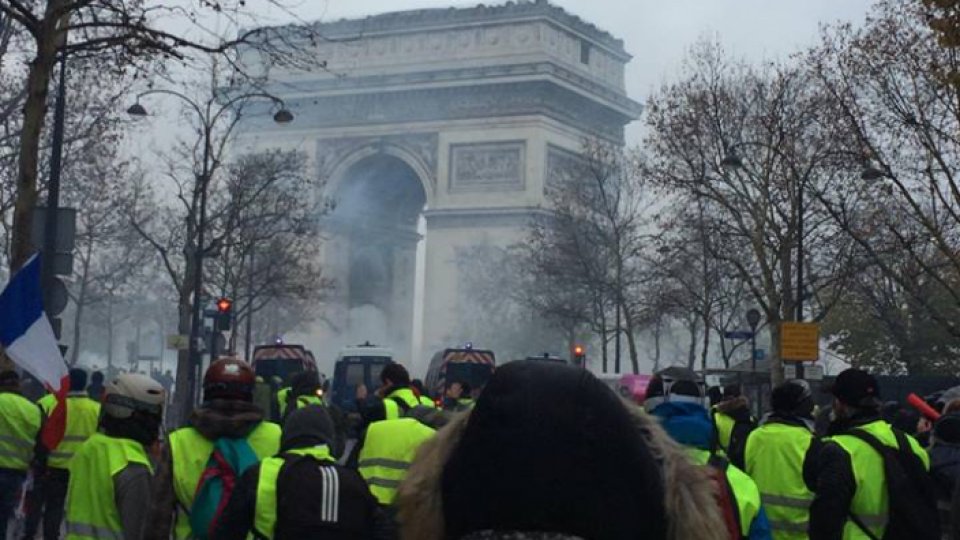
[{"x": 28, "y": 340}]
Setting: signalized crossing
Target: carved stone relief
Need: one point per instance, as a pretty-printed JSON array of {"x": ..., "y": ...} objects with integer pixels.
[{"x": 496, "y": 166}]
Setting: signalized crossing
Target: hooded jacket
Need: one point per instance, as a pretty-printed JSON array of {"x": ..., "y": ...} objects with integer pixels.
[
  {"x": 549, "y": 452},
  {"x": 690, "y": 425},
  {"x": 215, "y": 419}
]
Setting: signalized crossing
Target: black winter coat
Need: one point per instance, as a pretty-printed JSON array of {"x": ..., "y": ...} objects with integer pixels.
[{"x": 358, "y": 516}]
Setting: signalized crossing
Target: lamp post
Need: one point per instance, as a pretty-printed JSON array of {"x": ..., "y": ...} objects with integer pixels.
[{"x": 209, "y": 114}]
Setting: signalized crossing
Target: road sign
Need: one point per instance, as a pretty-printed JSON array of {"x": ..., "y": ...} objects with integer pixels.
[
  {"x": 738, "y": 334},
  {"x": 789, "y": 371},
  {"x": 176, "y": 342},
  {"x": 760, "y": 354},
  {"x": 799, "y": 342},
  {"x": 814, "y": 372}
]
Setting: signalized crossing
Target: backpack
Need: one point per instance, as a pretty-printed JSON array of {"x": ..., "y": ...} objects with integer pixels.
[
  {"x": 229, "y": 459},
  {"x": 724, "y": 495},
  {"x": 911, "y": 491},
  {"x": 305, "y": 475}
]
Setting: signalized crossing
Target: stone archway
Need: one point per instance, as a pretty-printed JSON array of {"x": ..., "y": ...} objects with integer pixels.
[{"x": 379, "y": 200}]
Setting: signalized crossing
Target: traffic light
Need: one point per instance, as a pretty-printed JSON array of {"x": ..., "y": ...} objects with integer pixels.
[
  {"x": 224, "y": 314},
  {"x": 579, "y": 355}
]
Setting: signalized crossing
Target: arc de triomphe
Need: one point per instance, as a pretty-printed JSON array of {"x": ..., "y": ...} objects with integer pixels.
[{"x": 437, "y": 130}]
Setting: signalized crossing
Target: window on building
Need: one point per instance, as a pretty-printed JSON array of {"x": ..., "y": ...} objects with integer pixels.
[{"x": 584, "y": 52}]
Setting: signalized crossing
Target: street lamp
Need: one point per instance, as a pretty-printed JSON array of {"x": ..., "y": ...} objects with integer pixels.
[{"x": 208, "y": 117}]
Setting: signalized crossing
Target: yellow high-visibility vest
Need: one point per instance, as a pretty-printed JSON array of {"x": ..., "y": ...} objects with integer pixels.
[
  {"x": 83, "y": 416},
  {"x": 744, "y": 489},
  {"x": 387, "y": 453},
  {"x": 302, "y": 401},
  {"x": 265, "y": 515},
  {"x": 774, "y": 458},
  {"x": 19, "y": 425},
  {"x": 190, "y": 451},
  {"x": 91, "y": 505},
  {"x": 870, "y": 501},
  {"x": 390, "y": 406}
]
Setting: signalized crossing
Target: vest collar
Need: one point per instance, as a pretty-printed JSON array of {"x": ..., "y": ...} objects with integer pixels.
[{"x": 787, "y": 419}]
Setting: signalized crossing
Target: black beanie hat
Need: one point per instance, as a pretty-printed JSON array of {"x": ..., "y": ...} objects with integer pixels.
[
  {"x": 307, "y": 426},
  {"x": 550, "y": 448}
]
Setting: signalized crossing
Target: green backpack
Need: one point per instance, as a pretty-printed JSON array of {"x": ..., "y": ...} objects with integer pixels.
[{"x": 229, "y": 460}]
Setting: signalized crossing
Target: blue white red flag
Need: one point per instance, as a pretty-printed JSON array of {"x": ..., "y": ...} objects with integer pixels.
[{"x": 28, "y": 340}]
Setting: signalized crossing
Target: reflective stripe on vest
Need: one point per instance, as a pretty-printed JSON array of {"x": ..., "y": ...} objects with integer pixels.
[
  {"x": 391, "y": 408},
  {"x": 774, "y": 458},
  {"x": 265, "y": 515},
  {"x": 91, "y": 510},
  {"x": 83, "y": 414},
  {"x": 870, "y": 501},
  {"x": 190, "y": 451},
  {"x": 388, "y": 450},
  {"x": 744, "y": 490},
  {"x": 19, "y": 425}
]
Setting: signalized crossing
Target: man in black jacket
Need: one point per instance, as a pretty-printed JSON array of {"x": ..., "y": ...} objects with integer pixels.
[
  {"x": 856, "y": 406},
  {"x": 302, "y": 492}
]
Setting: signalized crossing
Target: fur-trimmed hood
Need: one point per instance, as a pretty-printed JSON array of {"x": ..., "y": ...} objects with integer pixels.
[
  {"x": 735, "y": 406},
  {"x": 691, "y": 510}
]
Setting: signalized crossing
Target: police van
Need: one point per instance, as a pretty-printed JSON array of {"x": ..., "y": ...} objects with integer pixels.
[{"x": 354, "y": 366}]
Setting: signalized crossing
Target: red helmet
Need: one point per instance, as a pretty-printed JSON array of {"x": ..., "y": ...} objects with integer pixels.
[{"x": 229, "y": 378}]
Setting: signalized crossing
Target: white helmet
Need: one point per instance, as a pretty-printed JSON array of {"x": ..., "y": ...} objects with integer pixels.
[{"x": 131, "y": 392}]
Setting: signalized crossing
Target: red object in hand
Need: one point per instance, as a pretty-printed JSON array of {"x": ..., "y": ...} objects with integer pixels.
[{"x": 919, "y": 404}]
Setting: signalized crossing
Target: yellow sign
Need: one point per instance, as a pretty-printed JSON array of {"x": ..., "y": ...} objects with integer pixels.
[{"x": 799, "y": 342}]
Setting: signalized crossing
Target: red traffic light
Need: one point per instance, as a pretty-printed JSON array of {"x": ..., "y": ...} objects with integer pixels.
[
  {"x": 224, "y": 305},
  {"x": 578, "y": 350}
]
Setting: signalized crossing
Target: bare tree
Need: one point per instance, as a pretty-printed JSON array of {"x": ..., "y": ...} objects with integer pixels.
[
  {"x": 766, "y": 121},
  {"x": 894, "y": 99},
  {"x": 109, "y": 255},
  {"x": 122, "y": 36},
  {"x": 701, "y": 289},
  {"x": 593, "y": 240},
  {"x": 269, "y": 209}
]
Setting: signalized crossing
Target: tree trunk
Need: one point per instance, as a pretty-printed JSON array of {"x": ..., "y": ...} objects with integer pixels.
[
  {"x": 34, "y": 112},
  {"x": 692, "y": 350},
  {"x": 183, "y": 393},
  {"x": 706, "y": 340},
  {"x": 110, "y": 373},
  {"x": 631, "y": 341},
  {"x": 81, "y": 304},
  {"x": 723, "y": 350},
  {"x": 776, "y": 365},
  {"x": 657, "y": 335}
]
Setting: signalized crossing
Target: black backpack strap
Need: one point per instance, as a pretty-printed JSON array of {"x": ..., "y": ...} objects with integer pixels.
[
  {"x": 881, "y": 449},
  {"x": 871, "y": 440},
  {"x": 404, "y": 407}
]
